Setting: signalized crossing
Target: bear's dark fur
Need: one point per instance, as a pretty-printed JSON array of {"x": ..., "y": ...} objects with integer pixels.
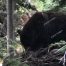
[{"x": 43, "y": 29}]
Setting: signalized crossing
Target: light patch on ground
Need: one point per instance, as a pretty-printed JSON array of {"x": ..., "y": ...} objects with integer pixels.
[
  {"x": 20, "y": 48},
  {"x": 0, "y": 64}
]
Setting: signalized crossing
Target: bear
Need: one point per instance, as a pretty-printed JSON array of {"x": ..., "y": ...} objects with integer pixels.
[{"x": 42, "y": 29}]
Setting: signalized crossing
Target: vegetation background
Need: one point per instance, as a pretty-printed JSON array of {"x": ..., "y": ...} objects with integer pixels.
[{"x": 22, "y": 11}]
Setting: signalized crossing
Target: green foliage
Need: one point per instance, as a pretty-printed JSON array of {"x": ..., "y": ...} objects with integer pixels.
[
  {"x": 2, "y": 47},
  {"x": 49, "y": 4},
  {"x": 13, "y": 62},
  {"x": 61, "y": 46},
  {"x": 2, "y": 5},
  {"x": 21, "y": 10},
  {"x": 46, "y": 5},
  {"x": 39, "y": 4},
  {"x": 62, "y": 49},
  {"x": 25, "y": 65},
  {"x": 63, "y": 9}
]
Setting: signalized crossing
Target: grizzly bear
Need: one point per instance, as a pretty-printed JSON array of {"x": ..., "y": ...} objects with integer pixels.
[{"x": 43, "y": 29}]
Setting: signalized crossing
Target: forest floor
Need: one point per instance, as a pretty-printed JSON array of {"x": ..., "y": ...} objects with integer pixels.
[{"x": 54, "y": 55}]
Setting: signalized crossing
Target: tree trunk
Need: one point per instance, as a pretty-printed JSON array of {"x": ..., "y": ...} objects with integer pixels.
[
  {"x": 13, "y": 8},
  {"x": 9, "y": 23}
]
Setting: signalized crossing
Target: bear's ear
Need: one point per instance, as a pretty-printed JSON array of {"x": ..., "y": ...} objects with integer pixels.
[{"x": 19, "y": 32}]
